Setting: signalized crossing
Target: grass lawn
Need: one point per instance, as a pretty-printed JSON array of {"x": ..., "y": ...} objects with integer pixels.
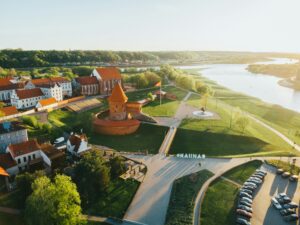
[
  {"x": 223, "y": 137},
  {"x": 241, "y": 173},
  {"x": 148, "y": 137},
  {"x": 219, "y": 202},
  {"x": 116, "y": 201},
  {"x": 293, "y": 169},
  {"x": 221, "y": 197},
  {"x": 184, "y": 192},
  {"x": 282, "y": 119},
  {"x": 168, "y": 108},
  {"x": 9, "y": 219}
]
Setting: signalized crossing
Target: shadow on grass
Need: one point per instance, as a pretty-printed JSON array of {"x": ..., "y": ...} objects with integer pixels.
[{"x": 217, "y": 144}]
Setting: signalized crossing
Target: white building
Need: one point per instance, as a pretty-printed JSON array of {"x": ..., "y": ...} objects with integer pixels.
[
  {"x": 48, "y": 103},
  {"x": 52, "y": 90},
  {"x": 7, "y": 86},
  {"x": 65, "y": 84},
  {"x": 12, "y": 133},
  {"x": 77, "y": 144},
  {"x": 26, "y": 98}
]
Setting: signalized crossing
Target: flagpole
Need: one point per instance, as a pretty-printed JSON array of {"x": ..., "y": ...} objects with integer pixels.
[{"x": 160, "y": 94}]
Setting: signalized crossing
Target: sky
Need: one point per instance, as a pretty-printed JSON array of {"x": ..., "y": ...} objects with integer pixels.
[{"x": 152, "y": 25}]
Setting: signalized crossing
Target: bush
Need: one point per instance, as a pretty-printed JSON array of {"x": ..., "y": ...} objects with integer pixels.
[{"x": 30, "y": 121}]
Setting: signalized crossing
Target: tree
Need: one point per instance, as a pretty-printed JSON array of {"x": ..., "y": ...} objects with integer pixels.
[
  {"x": 152, "y": 78},
  {"x": 92, "y": 176},
  {"x": 242, "y": 122},
  {"x": 24, "y": 182},
  {"x": 55, "y": 202},
  {"x": 117, "y": 166},
  {"x": 150, "y": 96}
]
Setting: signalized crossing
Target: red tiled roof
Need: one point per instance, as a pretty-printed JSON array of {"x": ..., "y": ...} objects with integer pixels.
[
  {"x": 109, "y": 73},
  {"x": 87, "y": 80},
  {"x": 6, "y": 84},
  {"x": 43, "y": 81},
  {"x": 75, "y": 140},
  {"x": 29, "y": 93},
  {"x": 10, "y": 110},
  {"x": 6, "y": 161},
  {"x": 47, "y": 101},
  {"x": 23, "y": 148},
  {"x": 118, "y": 94},
  {"x": 59, "y": 79}
]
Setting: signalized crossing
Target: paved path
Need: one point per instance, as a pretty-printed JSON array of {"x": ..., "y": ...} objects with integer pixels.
[
  {"x": 231, "y": 181},
  {"x": 165, "y": 146},
  {"x": 151, "y": 201}
]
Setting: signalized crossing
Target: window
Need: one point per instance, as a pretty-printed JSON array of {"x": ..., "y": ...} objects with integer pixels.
[
  {"x": 24, "y": 159},
  {"x": 29, "y": 158},
  {"x": 33, "y": 156},
  {"x": 19, "y": 161}
]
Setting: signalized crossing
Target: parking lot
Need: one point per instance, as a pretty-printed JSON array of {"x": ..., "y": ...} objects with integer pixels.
[{"x": 263, "y": 212}]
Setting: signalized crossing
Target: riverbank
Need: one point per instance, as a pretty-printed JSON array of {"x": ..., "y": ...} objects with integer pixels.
[{"x": 284, "y": 120}]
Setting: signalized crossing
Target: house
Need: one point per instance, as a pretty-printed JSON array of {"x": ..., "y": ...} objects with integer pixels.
[
  {"x": 46, "y": 104},
  {"x": 7, "y": 86},
  {"x": 107, "y": 78},
  {"x": 86, "y": 85},
  {"x": 12, "y": 133},
  {"x": 64, "y": 83},
  {"x": 8, "y": 111},
  {"x": 26, "y": 98},
  {"x": 23, "y": 156},
  {"x": 77, "y": 144},
  {"x": 52, "y": 90}
]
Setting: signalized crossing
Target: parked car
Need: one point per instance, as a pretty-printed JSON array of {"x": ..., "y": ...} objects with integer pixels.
[
  {"x": 286, "y": 174},
  {"x": 286, "y": 212},
  {"x": 256, "y": 178},
  {"x": 246, "y": 208},
  {"x": 246, "y": 199},
  {"x": 279, "y": 171},
  {"x": 242, "y": 221},
  {"x": 250, "y": 184},
  {"x": 291, "y": 205},
  {"x": 244, "y": 194},
  {"x": 282, "y": 198},
  {"x": 261, "y": 172},
  {"x": 292, "y": 217},
  {"x": 245, "y": 203},
  {"x": 244, "y": 213},
  {"x": 294, "y": 178},
  {"x": 255, "y": 181},
  {"x": 250, "y": 192},
  {"x": 252, "y": 188},
  {"x": 59, "y": 140},
  {"x": 275, "y": 203}
]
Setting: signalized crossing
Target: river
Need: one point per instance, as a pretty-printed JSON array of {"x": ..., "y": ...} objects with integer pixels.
[{"x": 265, "y": 87}]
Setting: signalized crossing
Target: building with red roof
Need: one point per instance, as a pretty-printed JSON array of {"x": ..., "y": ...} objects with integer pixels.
[
  {"x": 8, "y": 111},
  {"x": 7, "y": 86},
  {"x": 107, "y": 78},
  {"x": 87, "y": 85},
  {"x": 26, "y": 98}
]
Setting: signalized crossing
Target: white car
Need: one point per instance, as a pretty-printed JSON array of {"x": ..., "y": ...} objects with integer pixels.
[
  {"x": 276, "y": 204},
  {"x": 59, "y": 140}
]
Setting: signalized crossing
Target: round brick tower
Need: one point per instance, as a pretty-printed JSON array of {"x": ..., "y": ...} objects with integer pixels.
[{"x": 117, "y": 103}]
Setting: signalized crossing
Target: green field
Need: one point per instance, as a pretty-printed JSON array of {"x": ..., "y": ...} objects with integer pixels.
[
  {"x": 219, "y": 203},
  {"x": 147, "y": 138},
  {"x": 182, "y": 201},
  {"x": 241, "y": 173},
  {"x": 220, "y": 200},
  {"x": 118, "y": 198},
  {"x": 223, "y": 137},
  {"x": 284, "y": 120}
]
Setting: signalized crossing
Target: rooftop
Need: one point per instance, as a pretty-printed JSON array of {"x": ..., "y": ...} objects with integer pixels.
[
  {"x": 10, "y": 110},
  {"x": 7, "y": 127},
  {"x": 6, "y": 161},
  {"x": 47, "y": 101},
  {"x": 76, "y": 139},
  {"x": 109, "y": 73},
  {"x": 87, "y": 80},
  {"x": 118, "y": 94},
  {"x": 24, "y": 148},
  {"x": 29, "y": 93}
]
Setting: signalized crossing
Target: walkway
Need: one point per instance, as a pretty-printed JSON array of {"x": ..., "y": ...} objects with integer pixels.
[
  {"x": 231, "y": 181},
  {"x": 167, "y": 142}
]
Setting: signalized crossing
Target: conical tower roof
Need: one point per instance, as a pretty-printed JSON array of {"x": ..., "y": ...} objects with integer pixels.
[{"x": 118, "y": 94}]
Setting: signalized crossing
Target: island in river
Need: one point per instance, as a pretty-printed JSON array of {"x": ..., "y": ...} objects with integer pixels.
[{"x": 289, "y": 72}]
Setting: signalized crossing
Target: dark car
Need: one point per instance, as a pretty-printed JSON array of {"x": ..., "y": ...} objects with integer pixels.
[
  {"x": 286, "y": 212},
  {"x": 294, "y": 178},
  {"x": 279, "y": 171},
  {"x": 246, "y": 208},
  {"x": 250, "y": 192},
  {"x": 244, "y": 194},
  {"x": 291, "y": 205},
  {"x": 292, "y": 217},
  {"x": 245, "y": 203},
  {"x": 242, "y": 221},
  {"x": 244, "y": 213}
]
